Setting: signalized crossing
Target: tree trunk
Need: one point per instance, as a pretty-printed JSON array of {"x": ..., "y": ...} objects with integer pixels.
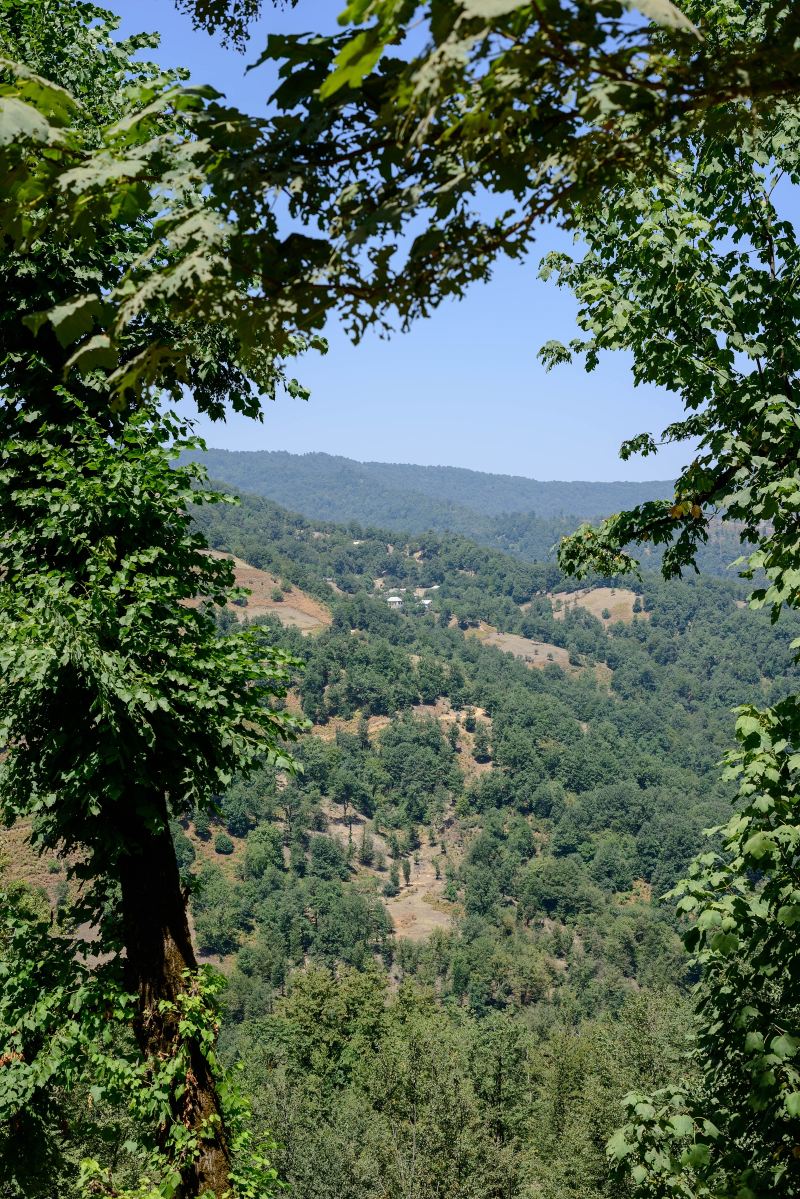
[{"x": 159, "y": 949}]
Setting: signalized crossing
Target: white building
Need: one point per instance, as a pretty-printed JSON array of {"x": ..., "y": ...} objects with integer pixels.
[{"x": 394, "y": 601}]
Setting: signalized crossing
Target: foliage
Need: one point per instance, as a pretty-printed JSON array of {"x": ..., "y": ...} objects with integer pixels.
[
  {"x": 140, "y": 178},
  {"x": 736, "y": 1131},
  {"x": 145, "y": 252},
  {"x": 565, "y": 831},
  {"x": 414, "y": 498},
  {"x": 121, "y": 707},
  {"x": 83, "y": 639},
  {"x": 410, "y": 1093},
  {"x": 431, "y": 138},
  {"x": 64, "y": 1030},
  {"x": 523, "y": 517},
  {"x": 711, "y": 248},
  {"x": 704, "y": 259}
]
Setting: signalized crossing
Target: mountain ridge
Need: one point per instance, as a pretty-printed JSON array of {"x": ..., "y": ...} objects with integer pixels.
[
  {"x": 337, "y": 487},
  {"x": 498, "y": 511}
]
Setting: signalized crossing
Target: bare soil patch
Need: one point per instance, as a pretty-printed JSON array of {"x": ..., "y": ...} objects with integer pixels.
[
  {"x": 536, "y": 654},
  {"x": 328, "y": 731},
  {"x": 20, "y": 862},
  {"x": 296, "y": 617},
  {"x": 208, "y": 856},
  {"x": 616, "y": 601},
  {"x": 296, "y": 609},
  {"x": 420, "y": 907},
  {"x": 640, "y": 892},
  {"x": 604, "y": 674}
]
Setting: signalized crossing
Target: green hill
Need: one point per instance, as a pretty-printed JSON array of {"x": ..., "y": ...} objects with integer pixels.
[
  {"x": 448, "y": 923},
  {"x": 411, "y": 497},
  {"x": 522, "y": 517}
]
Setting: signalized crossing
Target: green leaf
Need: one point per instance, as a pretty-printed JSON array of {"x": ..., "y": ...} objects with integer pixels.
[
  {"x": 664, "y": 12},
  {"x": 353, "y": 62},
  {"x": 95, "y": 354},
  {"x": 760, "y": 845},
  {"x": 784, "y": 1046},
  {"x": 489, "y": 10},
  {"x": 21, "y": 122},
  {"x": 724, "y": 943},
  {"x": 70, "y": 320},
  {"x": 697, "y": 1155},
  {"x": 682, "y": 1125},
  {"x": 789, "y": 914},
  {"x": 618, "y": 1145}
]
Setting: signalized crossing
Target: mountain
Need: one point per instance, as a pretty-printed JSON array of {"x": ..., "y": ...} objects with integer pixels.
[
  {"x": 445, "y": 960},
  {"x": 398, "y": 495},
  {"x": 522, "y": 517},
  {"x": 445, "y": 954}
]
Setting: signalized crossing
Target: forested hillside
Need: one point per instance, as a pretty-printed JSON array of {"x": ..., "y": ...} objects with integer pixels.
[
  {"x": 520, "y": 516},
  {"x": 446, "y": 954},
  {"x": 352, "y": 884},
  {"x": 385, "y": 493}
]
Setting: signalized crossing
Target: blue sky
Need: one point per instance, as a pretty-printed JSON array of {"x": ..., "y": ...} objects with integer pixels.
[{"x": 463, "y": 388}]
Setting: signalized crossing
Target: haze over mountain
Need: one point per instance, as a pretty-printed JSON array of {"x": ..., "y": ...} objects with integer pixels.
[
  {"x": 520, "y": 516},
  {"x": 413, "y": 497}
]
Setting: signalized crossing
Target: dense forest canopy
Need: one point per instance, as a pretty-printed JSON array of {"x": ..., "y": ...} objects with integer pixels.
[
  {"x": 555, "y": 805},
  {"x": 559, "y": 804},
  {"x": 520, "y": 516},
  {"x": 300, "y": 480},
  {"x": 544, "y": 767}
]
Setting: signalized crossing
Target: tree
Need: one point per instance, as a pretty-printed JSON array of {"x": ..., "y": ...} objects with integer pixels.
[
  {"x": 202, "y": 825},
  {"x": 547, "y": 104},
  {"x": 480, "y": 749},
  {"x": 223, "y": 844},
  {"x": 127, "y": 276},
  {"x": 121, "y": 706},
  {"x": 263, "y": 850},
  {"x": 392, "y": 884},
  {"x": 366, "y": 850},
  {"x": 707, "y": 255},
  {"x": 555, "y": 886}
]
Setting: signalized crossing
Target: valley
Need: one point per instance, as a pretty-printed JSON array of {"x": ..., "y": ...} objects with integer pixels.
[{"x": 494, "y": 794}]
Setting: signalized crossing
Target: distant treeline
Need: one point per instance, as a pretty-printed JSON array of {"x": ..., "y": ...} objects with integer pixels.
[{"x": 520, "y": 516}]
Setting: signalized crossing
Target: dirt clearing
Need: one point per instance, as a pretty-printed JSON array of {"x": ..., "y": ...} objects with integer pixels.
[
  {"x": 608, "y": 604},
  {"x": 536, "y": 654},
  {"x": 296, "y": 609}
]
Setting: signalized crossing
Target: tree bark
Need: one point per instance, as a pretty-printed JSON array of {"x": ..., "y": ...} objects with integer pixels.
[{"x": 159, "y": 949}]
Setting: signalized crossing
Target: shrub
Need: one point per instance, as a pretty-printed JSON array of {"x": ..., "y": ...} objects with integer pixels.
[
  {"x": 263, "y": 849},
  {"x": 328, "y": 859},
  {"x": 223, "y": 843},
  {"x": 184, "y": 850},
  {"x": 202, "y": 826},
  {"x": 366, "y": 850}
]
